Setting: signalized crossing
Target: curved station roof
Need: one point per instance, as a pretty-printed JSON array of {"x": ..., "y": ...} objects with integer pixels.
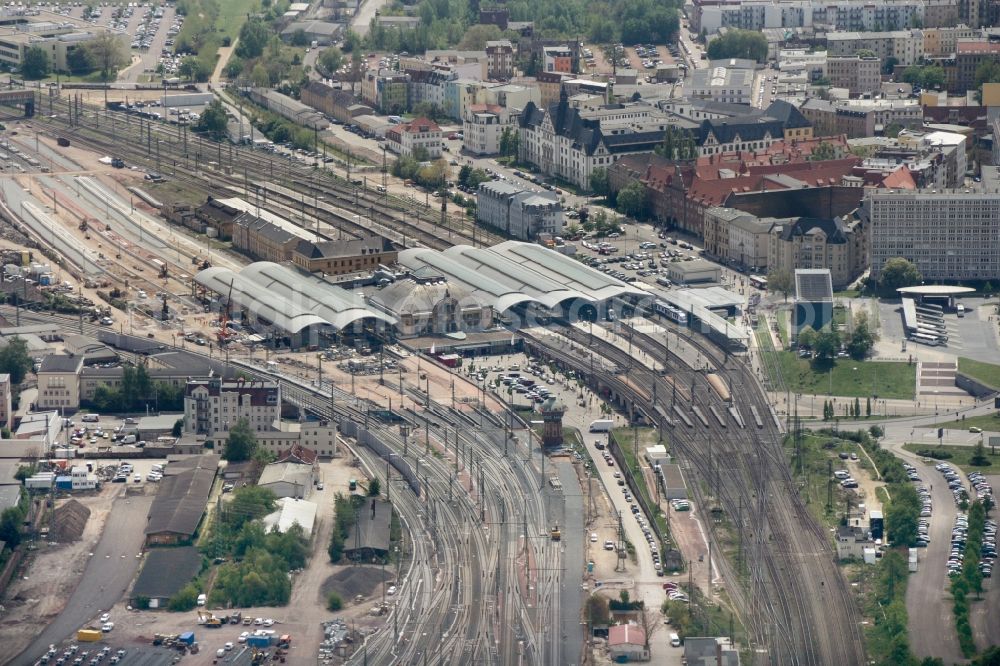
[
  {"x": 515, "y": 272},
  {"x": 288, "y": 298}
]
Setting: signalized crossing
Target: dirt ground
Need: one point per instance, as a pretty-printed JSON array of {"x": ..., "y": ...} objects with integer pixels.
[{"x": 52, "y": 572}]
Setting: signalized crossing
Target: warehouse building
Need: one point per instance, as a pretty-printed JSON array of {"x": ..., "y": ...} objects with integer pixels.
[
  {"x": 179, "y": 506},
  {"x": 164, "y": 573}
]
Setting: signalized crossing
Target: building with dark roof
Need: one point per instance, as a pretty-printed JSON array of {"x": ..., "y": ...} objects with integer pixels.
[
  {"x": 263, "y": 240},
  {"x": 368, "y": 538},
  {"x": 343, "y": 256},
  {"x": 780, "y": 121},
  {"x": 164, "y": 573},
  {"x": 519, "y": 212},
  {"x": 180, "y": 503},
  {"x": 570, "y": 140},
  {"x": 219, "y": 215},
  {"x": 338, "y": 104}
]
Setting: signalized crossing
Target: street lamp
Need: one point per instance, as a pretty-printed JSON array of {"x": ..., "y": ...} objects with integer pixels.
[{"x": 319, "y": 383}]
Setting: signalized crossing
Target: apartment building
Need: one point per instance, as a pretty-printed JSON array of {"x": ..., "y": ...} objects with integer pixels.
[
  {"x": 213, "y": 406},
  {"x": 756, "y": 131},
  {"x": 385, "y": 90},
  {"x": 906, "y": 46},
  {"x": 950, "y": 235},
  {"x": 861, "y": 117},
  {"x": 860, "y": 75},
  {"x": 942, "y": 42},
  {"x": 499, "y": 60},
  {"x": 969, "y": 55},
  {"x": 519, "y": 212},
  {"x": 405, "y": 138},
  {"x": 757, "y": 15},
  {"x": 340, "y": 105},
  {"x": 483, "y": 127},
  {"x": 557, "y": 59},
  {"x": 836, "y": 244}
]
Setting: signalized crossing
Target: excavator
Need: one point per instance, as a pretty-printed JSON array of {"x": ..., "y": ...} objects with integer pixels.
[{"x": 208, "y": 619}]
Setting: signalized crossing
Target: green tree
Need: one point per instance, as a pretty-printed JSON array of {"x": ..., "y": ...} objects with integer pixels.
[
  {"x": 857, "y": 407},
  {"x": 334, "y": 602},
  {"x": 213, "y": 121},
  {"x": 902, "y": 516},
  {"x": 108, "y": 55},
  {"x": 678, "y": 144},
  {"x": 862, "y": 338},
  {"x": 868, "y": 408},
  {"x": 178, "y": 428},
  {"x": 807, "y": 337},
  {"x": 184, "y": 600},
  {"x": 827, "y": 343},
  {"x": 241, "y": 442},
  {"x": 632, "y": 200},
  {"x": 10, "y": 526},
  {"x": 599, "y": 182},
  {"x": 782, "y": 281},
  {"x": 331, "y": 59},
  {"x": 888, "y": 65},
  {"x": 598, "y": 612},
  {"x": 739, "y": 44},
  {"x": 14, "y": 359},
  {"x": 299, "y": 38},
  {"x": 927, "y": 76},
  {"x": 979, "y": 458},
  {"x": 78, "y": 61},
  {"x": 476, "y": 36},
  {"x": 893, "y": 130},
  {"x": 193, "y": 69},
  {"x": 351, "y": 42},
  {"x": 254, "y": 35},
  {"x": 988, "y": 71},
  {"x": 374, "y": 488},
  {"x": 823, "y": 152},
  {"x": 35, "y": 64},
  {"x": 897, "y": 273}
]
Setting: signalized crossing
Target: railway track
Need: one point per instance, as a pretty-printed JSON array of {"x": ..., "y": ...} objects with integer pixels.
[
  {"x": 189, "y": 159},
  {"x": 794, "y": 600}
]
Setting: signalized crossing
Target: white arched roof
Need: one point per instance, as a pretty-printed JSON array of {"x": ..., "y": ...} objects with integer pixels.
[{"x": 290, "y": 299}]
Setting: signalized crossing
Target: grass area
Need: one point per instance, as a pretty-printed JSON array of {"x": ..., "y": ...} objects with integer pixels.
[
  {"x": 840, "y": 317},
  {"x": 990, "y": 422},
  {"x": 847, "y": 377},
  {"x": 232, "y": 16},
  {"x": 781, "y": 316},
  {"x": 987, "y": 373},
  {"x": 847, "y": 293},
  {"x": 959, "y": 456},
  {"x": 93, "y": 77}
]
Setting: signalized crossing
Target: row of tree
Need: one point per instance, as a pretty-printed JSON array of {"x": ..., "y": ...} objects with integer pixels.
[
  {"x": 137, "y": 392},
  {"x": 851, "y": 410},
  {"x": 415, "y": 167}
]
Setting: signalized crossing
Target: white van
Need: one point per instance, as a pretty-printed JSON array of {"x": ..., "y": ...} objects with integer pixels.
[
  {"x": 675, "y": 640},
  {"x": 202, "y": 598},
  {"x": 90, "y": 418},
  {"x": 128, "y": 439},
  {"x": 960, "y": 309}
]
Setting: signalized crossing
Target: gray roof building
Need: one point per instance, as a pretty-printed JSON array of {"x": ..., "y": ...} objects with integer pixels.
[
  {"x": 180, "y": 503},
  {"x": 165, "y": 572},
  {"x": 61, "y": 363},
  {"x": 370, "y": 534}
]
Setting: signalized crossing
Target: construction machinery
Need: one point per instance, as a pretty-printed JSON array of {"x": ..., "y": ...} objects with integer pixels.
[
  {"x": 555, "y": 533},
  {"x": 209, "y": 620},
  {"x": 225, "y": 334}
]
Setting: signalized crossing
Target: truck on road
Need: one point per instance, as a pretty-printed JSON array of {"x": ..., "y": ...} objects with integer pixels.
[{"x": 602, "y": 425}]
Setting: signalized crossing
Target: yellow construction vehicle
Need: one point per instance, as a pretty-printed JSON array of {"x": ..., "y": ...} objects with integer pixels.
[
  {"x": 208, "y": 619},
  {"x": 556, "y": 534}
]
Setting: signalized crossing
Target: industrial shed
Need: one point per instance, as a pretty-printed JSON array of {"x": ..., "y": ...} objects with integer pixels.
[
  {"x": 369, "y": 537},
  {"x": 292, "y": 512},
  {"x": 287, "y": 479},
  {"x": 164, "y": 573},
  {"x": 283, "y": 302},
  {"x": 180, "y": 504}
]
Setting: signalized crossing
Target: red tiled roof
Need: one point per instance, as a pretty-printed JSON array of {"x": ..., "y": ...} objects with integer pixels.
[
  {"x": 297, "y": 454},
  {"x": 626, "y": 634}
]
